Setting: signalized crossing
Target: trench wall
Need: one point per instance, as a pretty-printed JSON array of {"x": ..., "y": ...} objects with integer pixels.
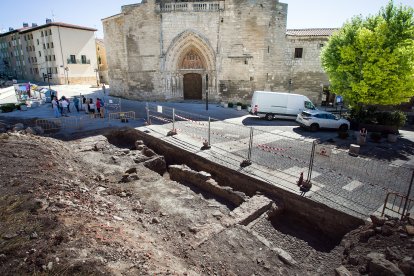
[{"x": 329, "y": 221}]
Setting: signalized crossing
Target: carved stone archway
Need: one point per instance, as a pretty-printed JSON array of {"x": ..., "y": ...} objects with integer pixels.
[{"x": 189, "y": 53}]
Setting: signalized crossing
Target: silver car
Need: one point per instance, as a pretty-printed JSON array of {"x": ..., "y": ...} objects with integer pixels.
[{"x": 316, "y": 119}]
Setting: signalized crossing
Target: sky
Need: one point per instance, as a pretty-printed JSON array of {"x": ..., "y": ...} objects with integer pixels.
[{"x": 88, "y": 13}]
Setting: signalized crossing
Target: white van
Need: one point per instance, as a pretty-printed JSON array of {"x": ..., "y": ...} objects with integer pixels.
[{"x": 270, "y": 105}]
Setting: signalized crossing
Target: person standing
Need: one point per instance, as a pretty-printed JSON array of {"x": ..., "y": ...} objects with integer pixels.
[
  {"x": 102, "y": 112},
  {"x": 65, "y": 105},
  {"x": 76, "y": 103},
  {"x": 98, "y": 105},
  {"x": 55, "y": 105}
]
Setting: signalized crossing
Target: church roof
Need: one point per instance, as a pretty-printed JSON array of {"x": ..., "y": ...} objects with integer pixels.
[{"x": 311, "y": 32}]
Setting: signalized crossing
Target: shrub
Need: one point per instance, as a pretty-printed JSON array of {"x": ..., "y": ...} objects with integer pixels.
[
  {"x": 398, "y": 118},
  {"x": 239, "y": 103},
  {"x": 244, "y": 106},
  {"x": 231, "y": 105},
  {"x": 375, "y": 136},
  {"x": 7, "y": 107}
]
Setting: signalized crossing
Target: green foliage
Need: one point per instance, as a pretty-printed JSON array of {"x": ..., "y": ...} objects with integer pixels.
[
  {"x": 239, "y": 103},
  {"x": 230, "y": 105},
  {"x": 372, "y": 116},
  {"x": 244, "y": 106},
  {"x": 7, "y": 107},
  {"x": 370, "y": 61}
]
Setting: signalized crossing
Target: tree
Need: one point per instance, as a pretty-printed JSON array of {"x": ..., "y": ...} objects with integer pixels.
[{"x": 370, "y": 61}]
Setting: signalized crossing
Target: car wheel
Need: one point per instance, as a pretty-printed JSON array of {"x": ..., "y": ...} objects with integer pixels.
[
  {"x": 314, "y": 127},
  {"x": 343, "y": 128},
  {"x": 269, "y": 117}
]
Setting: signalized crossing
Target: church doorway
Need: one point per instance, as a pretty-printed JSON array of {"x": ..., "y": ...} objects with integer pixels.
[{"x": 192, "y": 86}]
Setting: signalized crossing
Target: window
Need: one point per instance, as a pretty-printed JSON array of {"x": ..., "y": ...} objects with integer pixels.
[
  {"x": 50, "y": 58},
  {"x": 298, "y": 52},
  {"x": 25, "y": 39},
  {"x": 55, "y": 70},
  {"x": 35, "y": 59},
  {"x": 46, "y": 33},
  {"x": 37, "y": 41},
  {"x": 309, "y": 105},
  {"x": 44, "y": 46},
  {"x": 320, "y": 45},
  {"x": 48, "y": 45},
  {"x": 31, "y": 36},
  {"x": 83, "y": 58},
  {"x": 45, "y": 58},
  {"x": 50, "y": 32},
  {"x": 54, "y": 57},
  {"x": 40, "y": 54},
  {"x": 72, "y": 59},
  {"x": 31, "y": 71},
  {"x": 99, "y": 60},
  {"x": 51, "y": 45},
  {"x": 28, "y": 59}
]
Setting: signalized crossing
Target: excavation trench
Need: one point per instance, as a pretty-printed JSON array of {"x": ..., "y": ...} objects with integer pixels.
[{"x": 321, "y": 226}]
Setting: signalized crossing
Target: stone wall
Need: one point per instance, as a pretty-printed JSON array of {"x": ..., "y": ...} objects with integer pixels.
[
  {"x": 243, "y": 47},
  {"x": 306, "y": 73}
]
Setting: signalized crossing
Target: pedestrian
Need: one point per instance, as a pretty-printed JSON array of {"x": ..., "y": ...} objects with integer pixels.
[
  {"x": 102, "y": 108},
  {"x": 64, "y": 104},
  {"x": 68, "y": 101},
  {"x": 55, "y": 105},
  {"x": 76, "y": 103},
  {"x": 98, "y": 105},
  {"x": 91, "y": 106}
]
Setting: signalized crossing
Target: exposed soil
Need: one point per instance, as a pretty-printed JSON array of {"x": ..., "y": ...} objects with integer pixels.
[{"x": 90, "y": 207}]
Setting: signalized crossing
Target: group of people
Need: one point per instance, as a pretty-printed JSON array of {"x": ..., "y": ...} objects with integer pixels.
[
  {"x": 62, "y": 107},
  {"x": 92, "y": 107}
]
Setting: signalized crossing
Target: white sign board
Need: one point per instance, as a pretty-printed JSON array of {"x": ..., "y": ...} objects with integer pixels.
[{"x": 159, "y": 108}]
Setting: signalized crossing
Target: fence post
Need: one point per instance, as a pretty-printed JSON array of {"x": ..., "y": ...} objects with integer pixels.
[
  {"x": 312, "y": 158},
  {"x": 148, "y": 114},
  {"x": 173, "y": 119},
  {"x": 172, "y": 132},
  {"x": 408, "y": 195},
  {"x": 209, "y": 131},
  {"x": 248, "y": 161}
]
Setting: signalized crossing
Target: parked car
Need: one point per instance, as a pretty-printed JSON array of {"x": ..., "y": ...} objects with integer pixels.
[{"x": 316, "y": 119}]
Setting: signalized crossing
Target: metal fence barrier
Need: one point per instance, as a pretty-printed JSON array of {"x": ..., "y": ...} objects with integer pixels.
[
  {"x": 359, "y": 184},
  {"x": 128, "y": 115}
]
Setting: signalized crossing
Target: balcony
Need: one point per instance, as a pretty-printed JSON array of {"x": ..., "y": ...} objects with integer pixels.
[
  {"x": 78, "y": 61},
  {"x": 192, "y": 7}
]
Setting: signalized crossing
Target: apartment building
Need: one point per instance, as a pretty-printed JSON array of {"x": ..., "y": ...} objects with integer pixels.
[{"x": 64, "y": 52}]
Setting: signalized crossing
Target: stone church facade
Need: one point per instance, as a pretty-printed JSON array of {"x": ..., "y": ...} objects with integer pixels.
[{"x": 179, "y": 50}]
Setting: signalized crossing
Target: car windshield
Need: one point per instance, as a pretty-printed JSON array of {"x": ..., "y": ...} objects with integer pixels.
[{"x": 309, "y": 105}]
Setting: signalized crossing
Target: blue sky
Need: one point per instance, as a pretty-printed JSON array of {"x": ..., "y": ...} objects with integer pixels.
[{"x": 301, "y": 13}]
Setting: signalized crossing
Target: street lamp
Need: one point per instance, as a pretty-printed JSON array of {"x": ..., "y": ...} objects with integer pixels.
[
  {"x": 67, "y": 73},
  {"x": 96, "y": 71},
  {"x": 206, "y": 91}
]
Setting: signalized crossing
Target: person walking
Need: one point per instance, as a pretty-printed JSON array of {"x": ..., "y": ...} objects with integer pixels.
[{"x": 55, "y": 105}]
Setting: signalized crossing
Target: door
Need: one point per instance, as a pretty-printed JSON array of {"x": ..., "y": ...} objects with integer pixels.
[{"x": 192, "y": 86}]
